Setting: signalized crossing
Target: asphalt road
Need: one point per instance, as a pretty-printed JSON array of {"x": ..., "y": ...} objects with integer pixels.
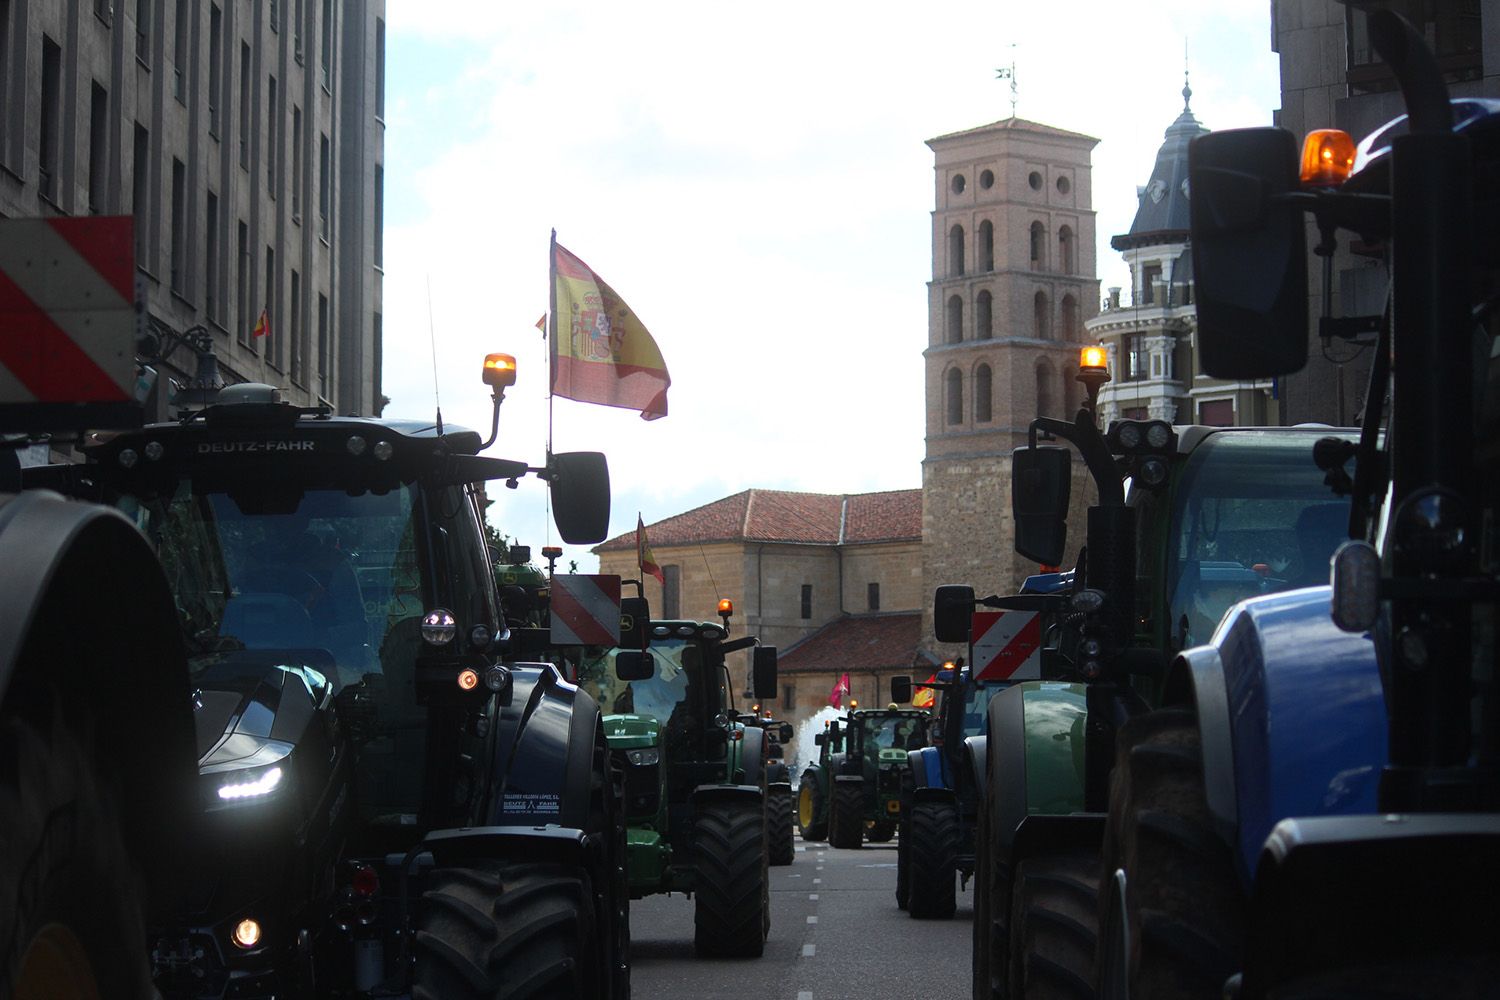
[{"x": 835, "y": 933}]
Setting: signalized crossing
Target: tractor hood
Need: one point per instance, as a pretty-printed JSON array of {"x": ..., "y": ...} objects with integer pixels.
[
  {"x": 631, "y": 732},
  {"x": 892, "y": 757},
  {"x": 248, "y": 707}
]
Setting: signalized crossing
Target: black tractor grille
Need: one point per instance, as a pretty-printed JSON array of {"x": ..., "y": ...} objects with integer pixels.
[{"x": 642, "y": 786}]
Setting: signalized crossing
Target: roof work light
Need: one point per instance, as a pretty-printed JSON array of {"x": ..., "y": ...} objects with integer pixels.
[{"x": 1327, "y": 157}]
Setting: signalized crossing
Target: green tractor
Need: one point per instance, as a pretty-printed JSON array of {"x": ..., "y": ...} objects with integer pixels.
[
  {"x": 853, "y": 792},
  {"x": 695, "y": 774}
]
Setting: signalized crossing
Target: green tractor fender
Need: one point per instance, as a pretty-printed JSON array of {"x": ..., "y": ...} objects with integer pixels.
[{"x": 747, "y": 756}]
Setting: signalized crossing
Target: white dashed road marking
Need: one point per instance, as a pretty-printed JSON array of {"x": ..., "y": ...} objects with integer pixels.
[
  {"x": 813, "y": 896},
  {"x": 808, "y": 950},
  {"x": 812, "y": 920}
]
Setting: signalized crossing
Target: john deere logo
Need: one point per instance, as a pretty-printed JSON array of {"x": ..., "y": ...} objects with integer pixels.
[{"x": 627, "y": 623}]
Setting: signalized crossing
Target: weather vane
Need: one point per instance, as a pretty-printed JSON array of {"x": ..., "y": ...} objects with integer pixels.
[{"x": 1009, "y": 73}]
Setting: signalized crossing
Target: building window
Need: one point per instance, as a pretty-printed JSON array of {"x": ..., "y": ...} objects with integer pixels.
[
  {"x": 872, "y": 596},
  {"x": 1065, "y": 247},
  {"x": 956, "y": 251},
  {"x": 323, "y": 369},
  {"x": 1038, "y": 246},
  {"x": 671, "y": 592},
  {"x": 180, "y": 53},
  {"x": 986, "y": 245},
  {"x": 1136, "y": 365},
  {"x": 1135, "y": 413},
  {"x": 242, "y": 319},
  {"x": 273, "y": 342},
  {"x": 1040, "y": 316},
  {"x": 178, "y": 256},
  {"x": 1069, "y": 318},
  {"x": 380, "y": 68},
  {"x": 379, "y": 215},
  {"x": 955, "y": 393},
  {"x": 806, "y": 601},
  {"x": 245, "y": 105},
  {"x": 1453, "y": 31},
  {"x": 6, "y": 113},
  {"x": 275, "y": 15},
  {"x": 377, "y": 334},
  {"x": 297, "y": 30},
  {"x": 328, "y": 45},
  {"x": 51, "y": 123},
  {"x": 211, "y": 259},
  {"x": 1045, "y": 401},
  {"x": 140, "y": 194},
  {"x": 296, "y": 163},
  {"x": 298, "y": 353},
  {"x": 325, "y": 183},
  {"x": 983, "y": 412},
  {"x": 215, "y": 68},
  {"x": 98, "y": 148},
  {"x": 984, "y": 316},
  {"x": 272, "y": 120},
  {"x": 1150, "y": 275},
  {"x": 143, "y": 32},
  {"x": 955, "y": 319},
  {"x": 788, "y": 696},
  {"x": 1216, "y": 413}
]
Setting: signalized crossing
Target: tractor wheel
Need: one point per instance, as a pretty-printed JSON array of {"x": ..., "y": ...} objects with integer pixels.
[
  {"x": 991, "y": 899},
  {"x": 903, "y": 865},
  {"x": 1185, "y": 909},
  {"x": 881, "y": 832},
  {"x": 846, "y": 826},
  {"x": 507, "y": 929},
  {"x": 73, "y": 926},
  {"x": 809, "y": 806},
  {"x": 934, "y": 860},
  {"x": 1053, "y": 927},
  {"x": 730, "y": 916},
  {"x": 779, "y": 826}
]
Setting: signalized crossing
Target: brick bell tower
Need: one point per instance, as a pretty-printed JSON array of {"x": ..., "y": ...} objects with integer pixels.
[{"x": 1013, "y": 280}]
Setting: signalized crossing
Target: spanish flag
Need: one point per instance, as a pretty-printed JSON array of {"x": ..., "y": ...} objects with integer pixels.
[
  {"x": 601, "y": 352},
  {"x": 643, "y": 554},
  {"x": 925, "y": 697},
  {"x": 262, "y": 325}
]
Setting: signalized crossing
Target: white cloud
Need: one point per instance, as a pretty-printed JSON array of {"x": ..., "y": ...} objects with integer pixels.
[{"x": 753, "y": 180}]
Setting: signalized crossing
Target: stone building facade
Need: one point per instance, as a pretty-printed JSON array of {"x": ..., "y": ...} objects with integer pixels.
[
  {"x": 246, "y": 138},
  {"x": 1331, "y": 78}
]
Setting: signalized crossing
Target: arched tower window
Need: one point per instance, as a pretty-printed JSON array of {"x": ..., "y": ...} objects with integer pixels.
[
  {"x": 984, "y": 316},
  {"x": 986, "y": 246},
  {"x": 1046, "y": 398},
  {"x": 1038, "y": 246},
  {"x": 1041, "y": 324},
  {"x": 982, "y": 410},
  {"x": 1066, "y": 249},
  {"x": 956, "y": 251},
  {"x": 1069, "y": 318},
  {"x": 955, "y": 396},
  {"x": 955, "y": 319}
]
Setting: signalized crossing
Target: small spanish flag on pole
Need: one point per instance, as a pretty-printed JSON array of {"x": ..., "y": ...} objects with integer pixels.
[
  {"x": 541, "y": 325},
  {"x": 262, "y": 325},
  {"x": 643, "y": 554}
]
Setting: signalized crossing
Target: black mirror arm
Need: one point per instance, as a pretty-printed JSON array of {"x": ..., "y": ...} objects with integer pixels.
[
  {"x": 735, "y": 645},
  {"x": 1084, "y": 435}
]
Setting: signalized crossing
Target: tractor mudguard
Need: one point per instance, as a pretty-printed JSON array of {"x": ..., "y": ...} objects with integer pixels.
[
  {"x": 752, "y": 755},
  {"x": 933, "y": 793},
  {"x": 84, "y": 602},
  {"x": 1382, "y": 890},
  {"x": 976, "y": 749},
  {"x": 1035, "y": 754},
  {"x": 544, "y": 743},
  {"x": 848, "y": 779},
  {"x": 719, "y": 793},
  {"x": 1292, "y": 716},
  {"x": 926, "y": 767},
  {"x": 539, "y": 844}
]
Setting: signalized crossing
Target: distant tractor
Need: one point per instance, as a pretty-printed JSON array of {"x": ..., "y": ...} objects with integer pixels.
[{"x": 853, "y": 792}]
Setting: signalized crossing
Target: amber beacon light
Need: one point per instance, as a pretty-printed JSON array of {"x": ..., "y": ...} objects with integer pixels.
[
  {"x": 1092, "y": 357},
  {"x": 499, "y": 371},
  {"x": 1327, "y": 157}
]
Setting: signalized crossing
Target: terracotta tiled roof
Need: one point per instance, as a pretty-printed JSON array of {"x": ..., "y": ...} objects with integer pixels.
[
  {"x": 1018, "y": 125},
  {"x": 788, "y": 517},
  {"x": 857, "y": 642}
]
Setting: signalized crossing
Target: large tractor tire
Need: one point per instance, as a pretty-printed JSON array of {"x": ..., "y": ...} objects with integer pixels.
[
  {"x": 782, "y": 851},
  {"x": 1054, "y": 928},
  {"x": 881, "y": 832},
  {"x": 502, "y": 929},
  {"x": 846, "y": 826},
  {"x": 810, "y": 806},
  {"x": 933, "y": 865},
  {"x": 991, "y": 937},
  {"x": 73, "y": 925},
  {"x": 731, "y": 918},
  {"x": 903, "y": 865},
  {"x": 1184, "y": 906}
]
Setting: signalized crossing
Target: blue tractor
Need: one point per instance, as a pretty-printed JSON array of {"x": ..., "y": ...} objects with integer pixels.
[{"x": 1315, "y": 808}]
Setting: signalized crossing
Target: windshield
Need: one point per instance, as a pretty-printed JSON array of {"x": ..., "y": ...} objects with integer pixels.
[
  {"x": 669, "y": 696},
  {"x": 976, "y": 704},
  {"x": 890, "y": 732},
  {"x": 328, "y": 581},
  {"x": 1252, "y": 516}
]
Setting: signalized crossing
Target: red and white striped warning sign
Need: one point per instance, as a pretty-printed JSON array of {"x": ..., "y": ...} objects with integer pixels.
[
  {"x": 1006, "y": 645},
  {"x": 585, "y": 610},
  {"x": 67, "y": 310}
]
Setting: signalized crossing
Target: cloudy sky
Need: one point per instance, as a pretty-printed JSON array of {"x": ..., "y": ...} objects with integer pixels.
[{"x": 753, "y": 180}]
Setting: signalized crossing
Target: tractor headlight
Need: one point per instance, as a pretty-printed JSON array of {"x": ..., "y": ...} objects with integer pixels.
[
  {"x": 644, "y": 758},
  {"x": 250, "y": 786}
]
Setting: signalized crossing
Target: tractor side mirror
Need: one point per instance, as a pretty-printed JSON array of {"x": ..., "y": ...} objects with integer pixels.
[
  {"x": 1249, "y": 253},
  {"x": 819, "y": 739},
  {"x": 763, "y": 671},
  {"x": 952, "y": 608},
  {"x": 580, "y": 496},
  {"x": 635, "y": 622},
  {"x": 1042, "y": 484},
  {"x": 634, "y": 665},
  {"x": 785, "y": 732},
  {"x": 901, "y": 690}
]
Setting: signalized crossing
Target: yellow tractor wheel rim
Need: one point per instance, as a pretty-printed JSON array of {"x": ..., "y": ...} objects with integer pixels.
[
  {"x": 55, "y": 967},
  {"x": 805, "y": 806}
]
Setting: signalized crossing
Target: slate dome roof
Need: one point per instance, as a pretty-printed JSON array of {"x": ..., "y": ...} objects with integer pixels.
[{"x": 1162, "y": 213}]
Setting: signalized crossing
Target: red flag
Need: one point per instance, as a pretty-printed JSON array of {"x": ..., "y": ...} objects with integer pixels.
[
  {"x": 541, "y": 325},
  {"x": 925, "y": 697},
  {"x": 262, "y": 325},
  {"x": 836, "y": 696},
  {"x": 644, "y": 557}
]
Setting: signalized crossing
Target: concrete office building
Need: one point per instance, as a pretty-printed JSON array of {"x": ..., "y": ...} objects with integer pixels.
[{"x": 246, "y": 139}]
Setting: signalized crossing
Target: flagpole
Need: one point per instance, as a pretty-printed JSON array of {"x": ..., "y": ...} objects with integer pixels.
[{"x": 552, "y": 323}]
